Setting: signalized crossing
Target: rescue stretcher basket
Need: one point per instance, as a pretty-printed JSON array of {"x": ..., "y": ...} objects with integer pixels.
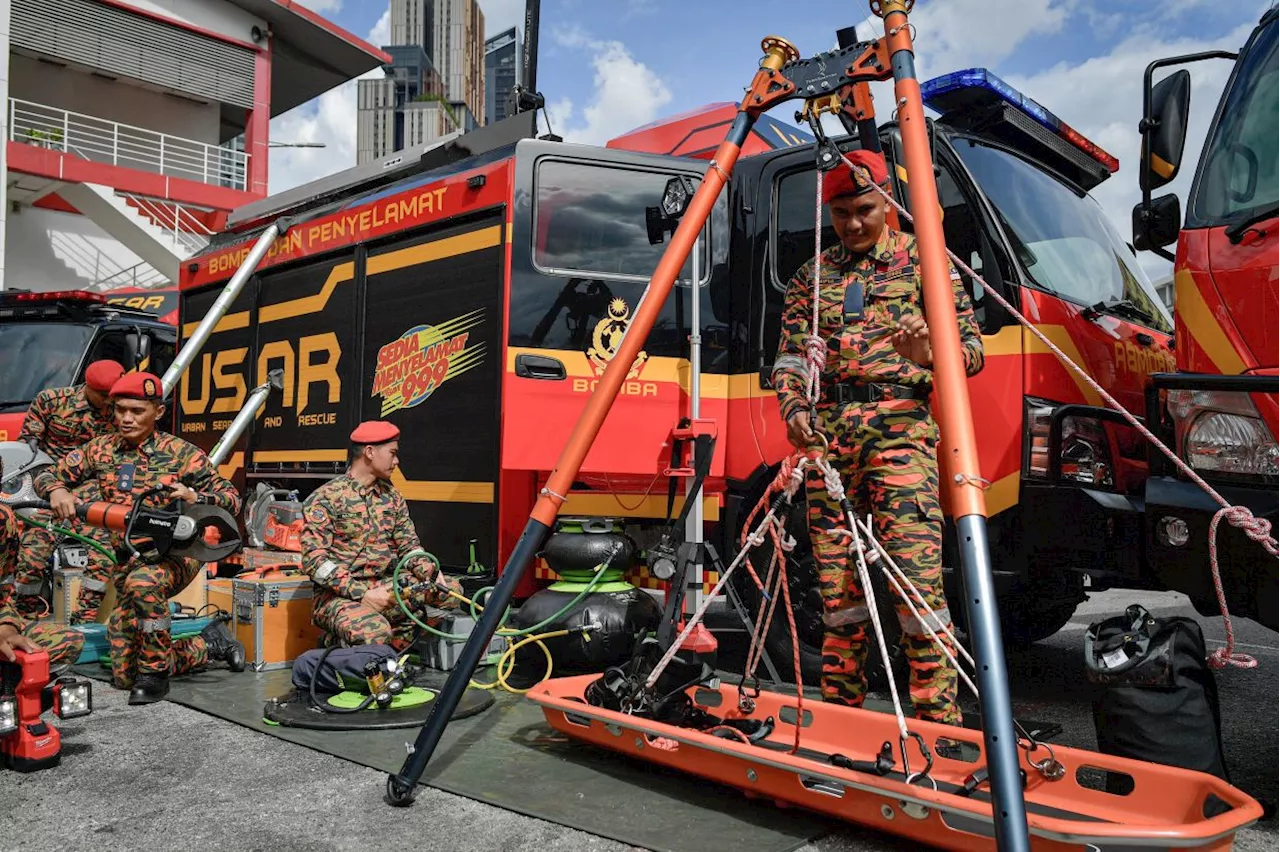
[{"x": 1164, "y": 808}]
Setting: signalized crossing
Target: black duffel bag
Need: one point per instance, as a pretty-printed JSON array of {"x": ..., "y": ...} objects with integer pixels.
[{"x": 1156, "y": 698}]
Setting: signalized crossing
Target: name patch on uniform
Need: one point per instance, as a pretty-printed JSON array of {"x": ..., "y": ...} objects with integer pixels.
[
  {"x": 124, "y": 477},
  {"x": 853, "y": 301}
]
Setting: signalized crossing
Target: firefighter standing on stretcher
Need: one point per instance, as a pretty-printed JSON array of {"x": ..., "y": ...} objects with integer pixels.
[{"x": 873, "y": 409}]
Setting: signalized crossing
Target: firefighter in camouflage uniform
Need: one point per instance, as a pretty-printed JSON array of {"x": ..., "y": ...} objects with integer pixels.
[
  {"x": 133, "y": 460},
  {"x": 873, "y": 410},
  {"x": 58, "y": 421},
  {"x": 62, "y": 645},
  {"x": 357, "y": 530}
]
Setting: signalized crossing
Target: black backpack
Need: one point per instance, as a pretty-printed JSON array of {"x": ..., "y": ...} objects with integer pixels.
[{"x": 1156, "y": 698}]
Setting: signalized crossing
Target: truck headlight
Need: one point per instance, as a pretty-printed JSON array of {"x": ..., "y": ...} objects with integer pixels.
[
  {"x": 1084, "y": 454},
  {"x": 1230, "y": 443},
  {"x": 1221, "y": 432}
]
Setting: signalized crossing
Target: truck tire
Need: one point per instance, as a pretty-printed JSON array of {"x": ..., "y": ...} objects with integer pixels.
[
  {"x": 1035, "y": 610},
  {"x": 806, "y": 601}
]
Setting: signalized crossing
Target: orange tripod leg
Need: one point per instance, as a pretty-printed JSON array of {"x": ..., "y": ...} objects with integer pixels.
[
  {"x": 959, "y": 455},
  {"x": 401, "y": 787}
]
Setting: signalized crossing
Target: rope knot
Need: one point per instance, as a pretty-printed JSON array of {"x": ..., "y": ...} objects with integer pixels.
[{"x": 1258, "y": 529}]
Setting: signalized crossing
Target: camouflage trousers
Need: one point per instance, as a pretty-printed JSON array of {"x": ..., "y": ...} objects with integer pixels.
[
  {"x": 34, "y": 556},
  {"x": 62, "y": 645},
  {"x": 349, "y": 623},
  {"x": 886, "y": 455},
  {"x": 138, "y": 630}
]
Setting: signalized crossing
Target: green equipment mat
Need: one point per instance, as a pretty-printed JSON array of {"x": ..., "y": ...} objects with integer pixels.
[{"x": 508, "y": 757}]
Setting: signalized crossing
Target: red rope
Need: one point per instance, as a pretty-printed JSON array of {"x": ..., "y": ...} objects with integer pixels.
[{"x": 777, "y": 569}]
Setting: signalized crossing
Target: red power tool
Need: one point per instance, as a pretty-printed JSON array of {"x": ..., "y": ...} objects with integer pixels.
[{"x": 27, "y": 743}]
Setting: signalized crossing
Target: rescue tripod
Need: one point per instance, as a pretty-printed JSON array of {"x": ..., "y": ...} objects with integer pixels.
[{"x": 824, "y": 82}]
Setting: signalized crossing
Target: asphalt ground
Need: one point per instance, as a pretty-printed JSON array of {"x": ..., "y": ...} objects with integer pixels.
[{"x": 167, "y": 777}]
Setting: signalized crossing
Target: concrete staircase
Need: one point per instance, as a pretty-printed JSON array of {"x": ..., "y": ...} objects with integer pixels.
[{"x": 133, "y": 222}]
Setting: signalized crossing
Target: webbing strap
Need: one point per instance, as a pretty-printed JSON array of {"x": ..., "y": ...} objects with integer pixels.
[{"x": 156, "y": 625}]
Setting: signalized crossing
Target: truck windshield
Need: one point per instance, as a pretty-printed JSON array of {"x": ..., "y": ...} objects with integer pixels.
[
  {"x": 39, "y": 355},
  {"x": 1062, "y": 237},
  {"x": 1238, "y": 175}
]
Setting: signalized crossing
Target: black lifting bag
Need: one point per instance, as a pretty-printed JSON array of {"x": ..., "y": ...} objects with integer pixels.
[
  {"x": 337, "y": 669},
  {"x": 1155, "y": 696}
]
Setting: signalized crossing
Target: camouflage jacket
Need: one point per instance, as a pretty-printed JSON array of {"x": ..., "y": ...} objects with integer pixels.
[
  {"x": 861, "y": 348},
  {"x": 110, "y": 461},
  {"x": 8, "y": 565},
  {"x": 61, "y": 419},
  {"x": 354, "y": 535}
]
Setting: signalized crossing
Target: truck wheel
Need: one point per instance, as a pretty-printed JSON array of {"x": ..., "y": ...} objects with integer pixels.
[
  {"x": 806, "y": 601},
  {"x": 1035, "y": 610}
]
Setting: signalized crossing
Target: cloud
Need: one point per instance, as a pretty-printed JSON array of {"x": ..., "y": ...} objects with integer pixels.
[
  {"x": 617, "y": 103},
  {"x": 324, "y": 7},
  {"x": 963, "y": 33},
  {"x": 330, "y": 118},
  {"x": 502, "y": 15}
]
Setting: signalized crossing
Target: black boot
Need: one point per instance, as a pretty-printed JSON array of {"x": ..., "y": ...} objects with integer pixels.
[
  {"x": 222, "y": 645},
  {"x": 149, "y": 688}
]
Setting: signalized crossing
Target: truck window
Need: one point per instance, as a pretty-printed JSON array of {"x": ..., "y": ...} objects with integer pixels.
[
  {"x": 589, "y": 221},
  {"x": 112, "y": 344},
  {"x": 1239, "y": 175},
  {"x": 162, "y": 352},
  {"x": 39, "y": 355},
  {"x": 1062, "y": 237},
  {"x": 793, "y": 227}
]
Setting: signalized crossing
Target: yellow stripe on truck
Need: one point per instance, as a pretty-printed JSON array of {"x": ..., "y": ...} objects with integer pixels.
[
  {"x": 343, "y": 272},
  {"x": 1204, "y": 328}
]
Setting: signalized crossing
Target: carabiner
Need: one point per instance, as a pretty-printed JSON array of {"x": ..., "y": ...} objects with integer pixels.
[{"x": 924, "y": 751}]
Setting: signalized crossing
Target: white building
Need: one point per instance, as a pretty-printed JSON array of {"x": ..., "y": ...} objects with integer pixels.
[{"x": 132, "y": 127}]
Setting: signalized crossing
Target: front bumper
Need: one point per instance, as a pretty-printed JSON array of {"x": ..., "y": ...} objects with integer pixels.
[
  {"x": 1096, "y": 532},
  {"x": 1248, "y": 571}
]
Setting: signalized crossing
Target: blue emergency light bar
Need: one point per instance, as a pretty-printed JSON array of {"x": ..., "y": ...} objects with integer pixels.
[{"x": 954, "y": 90}]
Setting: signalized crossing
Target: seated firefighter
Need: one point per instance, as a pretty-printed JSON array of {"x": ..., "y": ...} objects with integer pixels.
[
  {"x": 58, "y": 421},
  {"x": 357, "y": 530},
  {"x": 130, "y": 461},
  {"x": 62, "y": 645}
]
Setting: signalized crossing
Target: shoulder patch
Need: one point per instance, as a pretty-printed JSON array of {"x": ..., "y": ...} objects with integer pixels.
[
  {"x": 316, "y": 514},
  {"x": 75, "y": 457}
]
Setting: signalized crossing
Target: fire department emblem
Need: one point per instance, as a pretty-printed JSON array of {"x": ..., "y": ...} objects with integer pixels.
[{"x": 607, "y": 337}]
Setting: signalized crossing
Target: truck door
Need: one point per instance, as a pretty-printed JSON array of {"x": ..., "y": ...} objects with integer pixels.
[{"x": 581, "y": 262}]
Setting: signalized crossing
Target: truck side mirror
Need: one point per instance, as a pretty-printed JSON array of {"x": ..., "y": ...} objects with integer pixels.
[
  {"x": 1157, "y": 225},
  {"x": 1164, "y": 130}
]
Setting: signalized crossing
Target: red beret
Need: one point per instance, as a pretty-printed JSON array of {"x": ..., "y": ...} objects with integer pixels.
[
  {"x": 375, "y": 432},
  {"x": 840, "y": 181},
  {"x": 102, "y": 375},
  {"x": 144, "y": 386}
]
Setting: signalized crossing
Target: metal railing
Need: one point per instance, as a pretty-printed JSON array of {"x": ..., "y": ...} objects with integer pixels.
[
  {"x": 124, "y": 145},
  {"x": 142, "y": 275},
  {"x": 187, "y": 233}
]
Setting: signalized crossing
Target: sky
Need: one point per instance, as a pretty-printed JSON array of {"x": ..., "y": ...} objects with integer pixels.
[{"x": 608, "y": 66}]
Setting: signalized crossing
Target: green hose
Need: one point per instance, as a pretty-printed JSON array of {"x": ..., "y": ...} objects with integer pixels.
[
  {"x": 83, "y": 539},
  {"x": 595, "y": 580}
]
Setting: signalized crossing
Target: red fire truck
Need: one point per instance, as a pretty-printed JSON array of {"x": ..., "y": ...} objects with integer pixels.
[
  {"x": 1220, "y": 410},
  {"x": 48, "y": 338},
  {"x": 475, "y": 301}
]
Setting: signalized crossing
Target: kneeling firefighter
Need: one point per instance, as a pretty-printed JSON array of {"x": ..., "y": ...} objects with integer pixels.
[
  {"x": 126, "y": 464},
  {"x": 59, "y": 421},
  {"x": 882, "y": 438},
  {"x": 62, "y": 645},
  {"x": 357, "y": 530}
]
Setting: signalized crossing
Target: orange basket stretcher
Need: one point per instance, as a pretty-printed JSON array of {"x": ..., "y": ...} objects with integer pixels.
[{"x": 1164, "y": 809}]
